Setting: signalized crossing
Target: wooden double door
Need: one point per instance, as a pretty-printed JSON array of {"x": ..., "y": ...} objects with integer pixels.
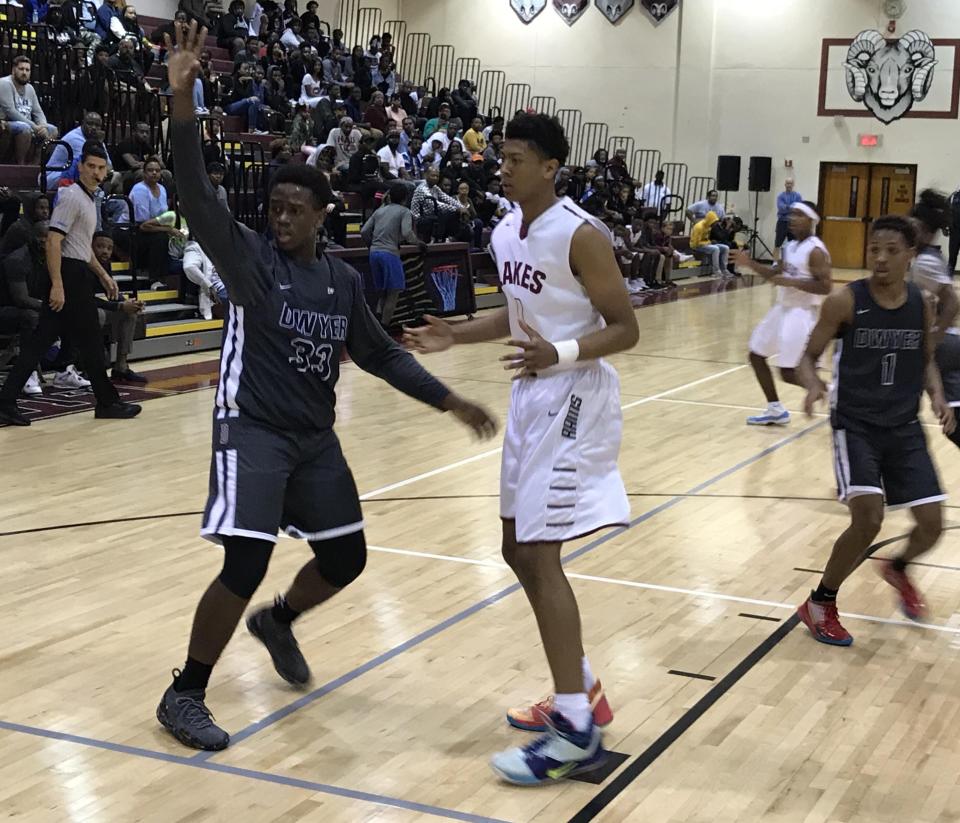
[{"x": 852, "y": 196}]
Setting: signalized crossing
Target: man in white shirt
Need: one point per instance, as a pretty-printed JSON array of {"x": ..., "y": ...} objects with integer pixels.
[
  {"x": 395, "y": 162},
  {"x": 653, "y": 194}
]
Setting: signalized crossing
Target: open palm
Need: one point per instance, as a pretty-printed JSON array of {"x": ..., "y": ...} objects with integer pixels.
[{"x": 183, "y": 62}]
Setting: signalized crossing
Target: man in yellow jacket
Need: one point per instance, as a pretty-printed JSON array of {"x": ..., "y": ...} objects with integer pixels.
[{"x": 714, "y": 253}]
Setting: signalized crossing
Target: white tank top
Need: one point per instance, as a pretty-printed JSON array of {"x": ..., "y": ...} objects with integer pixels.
[
  {"x": 795, "y": 264},
  {"x": 535, "y": 274}
]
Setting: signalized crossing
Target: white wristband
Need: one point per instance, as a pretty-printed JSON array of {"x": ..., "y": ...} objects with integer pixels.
[{"x": 568, "y": 352}]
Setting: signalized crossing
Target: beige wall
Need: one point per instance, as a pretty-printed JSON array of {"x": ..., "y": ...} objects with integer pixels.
[{"x": 746, "y": 81}]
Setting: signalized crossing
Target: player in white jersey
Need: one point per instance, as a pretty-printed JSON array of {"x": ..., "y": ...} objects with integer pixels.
[
  {"x": 802, "y": 279},
  {"x": 567, "y": 308}
]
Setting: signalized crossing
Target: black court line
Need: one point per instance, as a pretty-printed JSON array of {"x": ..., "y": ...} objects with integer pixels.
[
  {"x": 812, "y": 571},
  {"x": 694, "y": 675},
  {"x": 109, "y": 522},
  {"x": 623, "y": 780},
  {"x": 760, "y": 617}
]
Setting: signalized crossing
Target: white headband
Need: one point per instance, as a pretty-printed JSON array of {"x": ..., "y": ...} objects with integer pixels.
[{"x": 804, "y": 209}]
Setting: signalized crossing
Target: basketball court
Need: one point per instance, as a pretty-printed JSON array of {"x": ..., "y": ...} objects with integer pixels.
[{"x": 726, "y": 709}]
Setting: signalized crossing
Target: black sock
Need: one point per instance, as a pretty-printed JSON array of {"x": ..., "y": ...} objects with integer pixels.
[
  {"x": 823, "y": 594},
  {"x": 899, "y": 564},
  {"x": 195, "y": 675},
  {"x": 282, "y": 612}
]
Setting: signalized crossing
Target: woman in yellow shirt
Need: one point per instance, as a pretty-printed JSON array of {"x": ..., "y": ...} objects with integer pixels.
[{"x": 473, "y": 137}]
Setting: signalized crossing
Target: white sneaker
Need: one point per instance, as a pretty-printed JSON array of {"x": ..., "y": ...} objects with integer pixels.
[
  {"x": 684, "y": 258},
  {"x": 70, "y": 379},
  {"x": 636, "y": 286},
  {"x": 32, "y": 386},
  {"x": 201, "y": 110},
  {"x": 206, "y": 305}
]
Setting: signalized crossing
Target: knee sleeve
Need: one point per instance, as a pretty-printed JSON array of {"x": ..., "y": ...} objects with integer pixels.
[
  {"x": 341, "y": 560},
  {"x": 245, "y": 562}
]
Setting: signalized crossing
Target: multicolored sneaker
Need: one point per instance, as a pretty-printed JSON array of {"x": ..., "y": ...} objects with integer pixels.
[
  {"x": 824, "y": 623},
  {"x": 911, "y": 601},
  {"x": 534, "y": 718},
  {"x": 187, "y": 718},
  {"x": 770, "y": 418},
  {"x": 560, "y": 752}
]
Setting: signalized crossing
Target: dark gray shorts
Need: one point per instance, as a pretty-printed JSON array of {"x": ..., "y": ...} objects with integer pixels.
[
  {"x": 263, "y": 480},
  {"x": 948, "y": 360}
]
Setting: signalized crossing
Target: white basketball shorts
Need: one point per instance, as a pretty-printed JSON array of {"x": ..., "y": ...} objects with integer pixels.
[
  {"x": 559, "y": 478},
  {"x": 784, "y": 332}
]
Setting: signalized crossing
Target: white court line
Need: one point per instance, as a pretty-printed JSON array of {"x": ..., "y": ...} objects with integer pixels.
[
  {"x": 614, "y": 581},
  {"x": 466, "y": 461}
]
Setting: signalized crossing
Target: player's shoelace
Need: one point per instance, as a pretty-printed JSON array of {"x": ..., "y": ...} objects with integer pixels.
[{"x": 195, "y": 712}]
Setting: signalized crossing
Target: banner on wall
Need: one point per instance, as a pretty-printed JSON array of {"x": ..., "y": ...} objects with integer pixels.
[
  {"x": 890, "y": 79},
  {"x": 570, "y": 12},
  {"x": 659, "y": 10},
  {"x": 614, "y": 11},
  {"x": 527, "y": 10}
]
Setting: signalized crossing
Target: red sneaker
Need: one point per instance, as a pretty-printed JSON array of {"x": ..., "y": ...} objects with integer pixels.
[
  {"x": 824, "y": 623},
  {"x": 911, "y": 601},
  {"x": 534, "y": 718}
]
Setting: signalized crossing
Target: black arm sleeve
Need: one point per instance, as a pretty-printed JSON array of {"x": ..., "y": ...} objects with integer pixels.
[
  {"x": 375, "y": 352},
  {"x": 235, "y": 250}
]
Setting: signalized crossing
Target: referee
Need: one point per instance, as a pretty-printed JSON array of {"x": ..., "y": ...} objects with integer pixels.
[{"x": 71, "y": 310}]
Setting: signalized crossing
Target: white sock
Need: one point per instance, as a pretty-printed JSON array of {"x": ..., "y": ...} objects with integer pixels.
[
  {"x": 588, "y": 677},
  {"x": 575, "y": 708}
]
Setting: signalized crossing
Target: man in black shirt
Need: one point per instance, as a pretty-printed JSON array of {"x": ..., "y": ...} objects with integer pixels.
[
  {"x": 885, "y": 339},
  {"x": 276, "y": 461}
]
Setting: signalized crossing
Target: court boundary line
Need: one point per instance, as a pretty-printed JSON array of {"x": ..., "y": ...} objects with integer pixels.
[
  {"x": 305, "y": 700},
  {"x": 250, "y": 774}
]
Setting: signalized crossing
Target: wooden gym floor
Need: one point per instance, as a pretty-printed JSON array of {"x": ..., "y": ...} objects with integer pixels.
[{"x": 725, "y": 709}]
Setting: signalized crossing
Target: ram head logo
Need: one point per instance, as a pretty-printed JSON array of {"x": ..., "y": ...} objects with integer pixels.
[
  {"x": 659, "y": 10},
  {"x": 614, "y": 11},
  {"x": 888, "y": 77},
  {"x": 528, "y": 9},
  {"x": 571, "y": 12}
]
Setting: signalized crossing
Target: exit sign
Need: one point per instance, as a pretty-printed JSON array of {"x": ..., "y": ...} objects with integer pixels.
[{"x": 870, "y": 141}]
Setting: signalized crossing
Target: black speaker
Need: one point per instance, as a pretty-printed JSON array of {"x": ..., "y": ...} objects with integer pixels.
[
  {"x": 728, "y": 172},
  {"x": 760, "y": 170}
]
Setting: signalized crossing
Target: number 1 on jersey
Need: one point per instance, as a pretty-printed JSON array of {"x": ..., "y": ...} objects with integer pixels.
[{"x": 888, "y": 369}]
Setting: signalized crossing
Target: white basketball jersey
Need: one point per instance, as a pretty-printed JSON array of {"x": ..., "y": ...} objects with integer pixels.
[
  {"x": 535, "y": 274},
  {"x": 795, "y": 263}
]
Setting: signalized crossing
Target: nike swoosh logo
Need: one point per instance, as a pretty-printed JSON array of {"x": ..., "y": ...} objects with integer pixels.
[
  {"x": 552, "y": 414},
  {"x": 286, "y": 286},
  {"x": 863, "y": 311},
  {"x": 562, "y": 770}
]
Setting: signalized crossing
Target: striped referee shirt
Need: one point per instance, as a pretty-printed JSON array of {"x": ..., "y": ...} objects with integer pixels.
[{"x": 75, "y": 217}]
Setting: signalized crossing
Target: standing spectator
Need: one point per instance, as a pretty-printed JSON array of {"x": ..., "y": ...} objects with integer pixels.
[
  {"x": 697, "y": 211},
  {"x": 90, "y": 129},
  {"x": 653, "y": 194},
  {"x": 473, "y": 138},
  {"x": 465, "y": 101},
  {"x": 785, "y": 201},
  {"x": 437, "y": 215},
  {"x": 119, "y": 316},
  {"x": 96, "y": 81},
  {"x": 149, "y": 200},
  {"x": 388, "y": 228},
  {"x": 70, "y": 307},
  {"x": 21, "y": 111},
  {"x": 713, "y": 253}
]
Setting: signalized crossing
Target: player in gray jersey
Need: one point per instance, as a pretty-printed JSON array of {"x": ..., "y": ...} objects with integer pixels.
[{"x": 276, "y": 461}]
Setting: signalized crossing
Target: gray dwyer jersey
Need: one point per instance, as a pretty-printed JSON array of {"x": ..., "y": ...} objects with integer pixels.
[{"x": 288, "y": 322}]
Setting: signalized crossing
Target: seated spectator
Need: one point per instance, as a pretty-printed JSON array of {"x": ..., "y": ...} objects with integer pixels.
[
  {"x": 309, "y": 18},
  {"x": 452, "y": 165},
  {"x": 346, "y": 140},
  {"x": 96, "y": 81},
  {"x": 387, "y": 229},
  {"x": 494, "y": 149},
  {"x": 436, "y": 214},
  {"x": 36, "y": 209},
  {"x": 651, "y": 233},
  {"x": 24, "y": 283},
  {"x": 438, "y": 123},
  {"x": 130, "y": 31},
  {"x": 291, "y": 37},
  {"x": 396, "y": 115},
  {"x": 149, "y": 200},
  {"x": 333, "y": 69},
  {"x": 714, "y": 254},
  {"x": 171, "y": 29},
  {"x": 301, "y": 128},
  {"x": 723, "y": 233},
  {"x": 473, "y": 138},
  {"x": 495, "y": 204},
  {"x": 376, "y": 115},
  {"x": 215, "y": 174},
  {"x": 384, "y": 77},
  {"x": 91, "y": 128},
  {"x": 110, "y": 19},
  {"x": 617, "y": 167},
  {"x": 471, "y": 226},
  {"x": 407, "y": 130},
  {"x": 243, "y": 102},
  {"x": 337, "y": 41},
  {"x": 496, "y": 125},
  {"x": 363, "y": 173},
  {"x": 594, "y": 200},
  {"x": 119, "y": 316},
  {"x": 373, "y": 53},
  {"x": 232, "y": 25},
  {"x": 59, "y": 28},
  {"x": 200, "y": 270},
  {"x": 356, "y": 107},
  {"x": 21, "y": 112},
  {"x": 465, "y": 103},
  {"x": 311, "y": 90},
  {"x": 432, "y": 153},
  {"x": 357, "y": 71},
  {"x": 409, "y": 98},
  {"x": 698, "y": 211},
  {"x": 396, "y": 163},
  {"x": 127, "y": 66},
  {"x": 449, "y": 136},
  {"x": 599, "y": 162},
  {"x": 248, "y": 53},
  {"x": 275, "y": 95},
  {"x": 417, "y": 163}
]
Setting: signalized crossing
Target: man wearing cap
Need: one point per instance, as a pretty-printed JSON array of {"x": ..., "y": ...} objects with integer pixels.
[
  {"x": 395, "y": 163},
  {"x": 803, "y": 280}
]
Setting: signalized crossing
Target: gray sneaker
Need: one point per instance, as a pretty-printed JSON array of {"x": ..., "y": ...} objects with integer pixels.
[
  {"x": 282, "y": 645},
  {"x": 187, "y": 718}
]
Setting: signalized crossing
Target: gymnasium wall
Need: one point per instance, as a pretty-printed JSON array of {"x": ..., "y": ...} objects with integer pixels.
[{"x": 717, "y": 77}]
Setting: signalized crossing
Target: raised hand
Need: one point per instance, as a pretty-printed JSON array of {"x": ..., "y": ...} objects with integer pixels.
[
  {"x": 183, "y": 61},
  {"x": 436, "y": 336}
]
